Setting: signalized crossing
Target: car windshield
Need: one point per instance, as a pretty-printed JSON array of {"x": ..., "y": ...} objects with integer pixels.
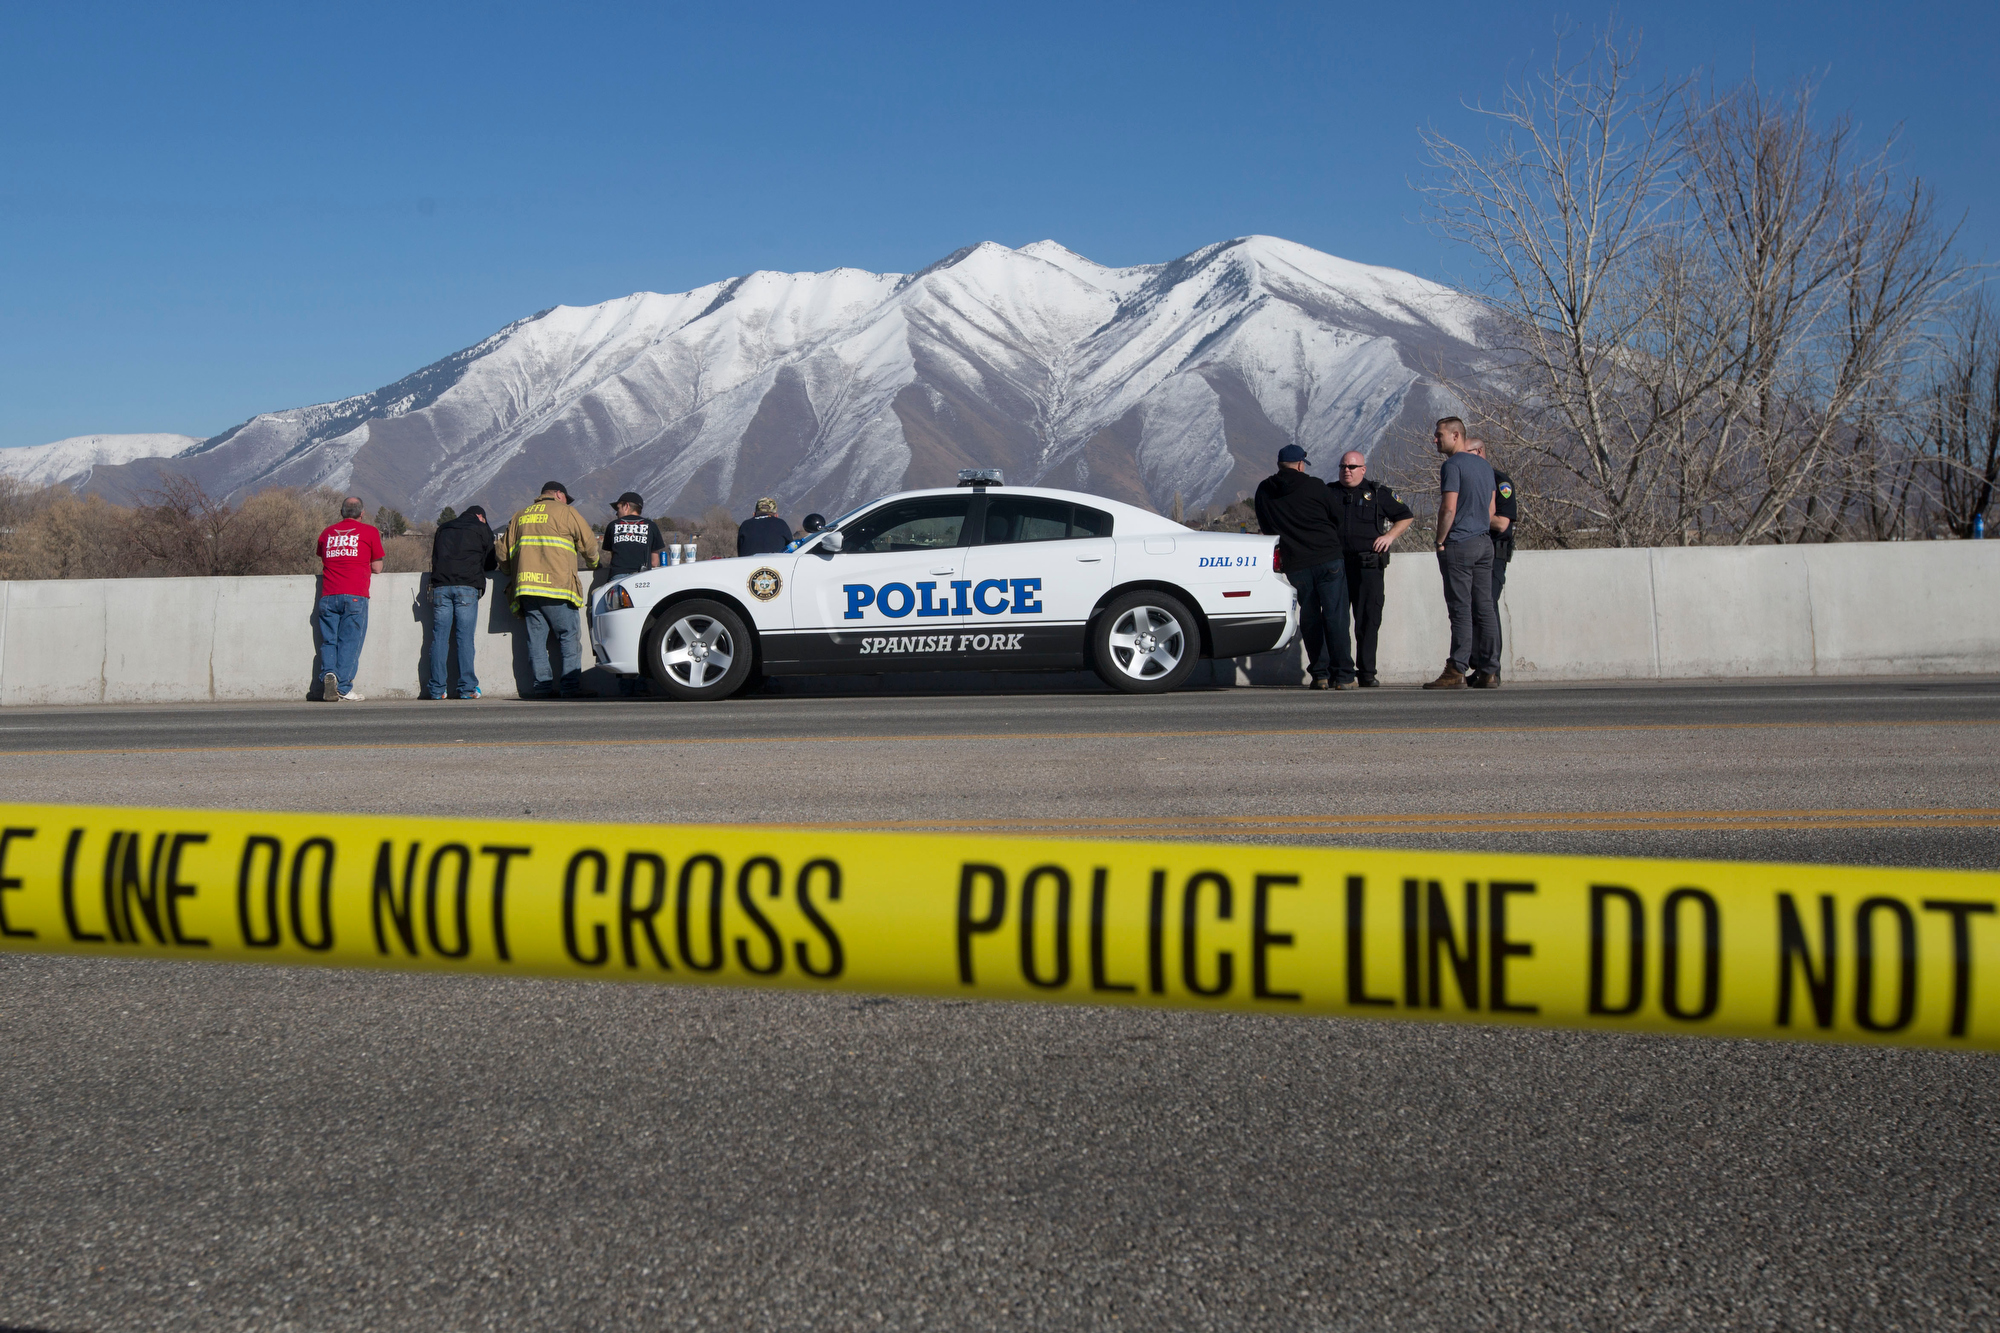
[
  {"x": 856, "y": 510},
  {"x": 909, "y": 525}
]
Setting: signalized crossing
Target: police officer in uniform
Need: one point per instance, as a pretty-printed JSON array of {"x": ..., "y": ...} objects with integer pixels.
[
  {"x": 1504, "y": 517},
  {"x": 1371, "y": 518}
]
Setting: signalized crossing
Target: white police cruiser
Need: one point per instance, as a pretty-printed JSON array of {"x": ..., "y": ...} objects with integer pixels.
[{"x": 980, "y": 577}]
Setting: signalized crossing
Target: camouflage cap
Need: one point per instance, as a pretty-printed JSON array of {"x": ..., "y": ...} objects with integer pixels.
[{"x": 767, "y": 505}]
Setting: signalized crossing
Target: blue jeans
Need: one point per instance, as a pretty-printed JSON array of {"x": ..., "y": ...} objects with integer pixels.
[
  {"x": 544, "y": 614},
  {"x": 343, "y": 624},
  {"x": 1323, "y": 618},
  {"x": 454, "y": 622}
]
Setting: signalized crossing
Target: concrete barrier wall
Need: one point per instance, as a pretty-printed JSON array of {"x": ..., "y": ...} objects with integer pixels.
[
  {"x": 182, "y": 640},
  {"x": 1853, "y": 609},
  {"x": 1675, "y": 613}
]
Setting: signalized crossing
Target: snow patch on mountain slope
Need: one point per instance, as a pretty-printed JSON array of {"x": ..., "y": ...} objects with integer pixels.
[
  {"x": 72, "y": 460},
  {"x": 794, "y": 384}
]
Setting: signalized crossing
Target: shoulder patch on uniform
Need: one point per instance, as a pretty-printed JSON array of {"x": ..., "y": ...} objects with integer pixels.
[{"x": 1506, "y": 490}]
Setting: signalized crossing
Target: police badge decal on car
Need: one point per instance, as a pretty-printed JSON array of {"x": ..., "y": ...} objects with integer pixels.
[{"x": 765, "y": 583}]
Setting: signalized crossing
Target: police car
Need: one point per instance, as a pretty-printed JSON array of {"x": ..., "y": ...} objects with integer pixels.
[{"x": 981, "y": 577}]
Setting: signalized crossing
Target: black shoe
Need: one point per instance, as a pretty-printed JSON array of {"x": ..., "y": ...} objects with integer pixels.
[{"x": 1370, "y": 683}]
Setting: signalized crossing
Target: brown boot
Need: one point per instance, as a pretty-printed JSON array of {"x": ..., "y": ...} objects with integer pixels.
[
  {"x": 1485, "y": 680},
  {"x": 1451, "y": 678}
]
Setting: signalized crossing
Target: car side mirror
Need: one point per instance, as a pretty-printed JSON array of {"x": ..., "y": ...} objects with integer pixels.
[{"x": 829, "y": 541}]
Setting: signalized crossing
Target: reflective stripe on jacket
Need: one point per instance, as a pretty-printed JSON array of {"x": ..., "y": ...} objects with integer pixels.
[{"x": 542, "y": 546}]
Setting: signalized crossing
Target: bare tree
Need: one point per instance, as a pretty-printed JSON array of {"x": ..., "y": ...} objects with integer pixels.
[
  {"x": 1705, "y": 305},
  {"x": 1955, "y": 431},
  {"x": 715, "y": 535},
  {"x": 52, "y": 533},
  {"x": 185, "y": 531},
  {"x": 1829, "y": 270},
  {"x": 1560, "y": 210}
]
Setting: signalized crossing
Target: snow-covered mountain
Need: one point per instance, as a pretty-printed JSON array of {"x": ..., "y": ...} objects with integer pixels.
[
  {"x": 825, "y": 389},
  {"x": 72, "y": 461}
]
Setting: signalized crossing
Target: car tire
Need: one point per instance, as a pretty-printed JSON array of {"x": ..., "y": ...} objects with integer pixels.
[
  {"x": 1145, "y": 642},
  {"x": 682, "y": 646}
]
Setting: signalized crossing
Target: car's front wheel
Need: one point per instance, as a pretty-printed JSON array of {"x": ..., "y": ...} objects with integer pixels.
[
  {"x": 1145, "y": 642},
  {"x": 698, "y": 650}
]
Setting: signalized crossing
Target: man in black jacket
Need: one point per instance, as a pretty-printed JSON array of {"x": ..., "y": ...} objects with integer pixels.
[
  {"x": 461, "y": 554},
  {"x": 1299, "y": 510}
]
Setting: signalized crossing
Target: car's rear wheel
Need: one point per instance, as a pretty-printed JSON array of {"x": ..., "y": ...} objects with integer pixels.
[
  {"x": 1145, "y": 642},
  {"x": 698, "y": 650}
]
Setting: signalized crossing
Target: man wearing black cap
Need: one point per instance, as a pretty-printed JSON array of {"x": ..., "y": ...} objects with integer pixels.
[
  {"x": 461, "y": 554},
  {"x": 634, "y": 541},
  {"x": 1300, "y": 511}
]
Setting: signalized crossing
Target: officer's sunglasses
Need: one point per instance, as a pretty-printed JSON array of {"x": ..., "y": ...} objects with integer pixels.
[{"x": 1352, "y": 467}]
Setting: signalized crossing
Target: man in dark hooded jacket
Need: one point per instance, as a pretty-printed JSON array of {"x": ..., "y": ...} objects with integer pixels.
[
  {"x": 1301, "y": 512},
  {"x": 461, "y": 555}
]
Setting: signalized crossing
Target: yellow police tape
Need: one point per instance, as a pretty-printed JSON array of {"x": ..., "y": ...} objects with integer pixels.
[{"x": 1892, "y": 957}]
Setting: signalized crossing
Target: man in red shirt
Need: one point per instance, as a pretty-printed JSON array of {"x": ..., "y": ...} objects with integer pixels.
[{"x": 350, "y": 552}]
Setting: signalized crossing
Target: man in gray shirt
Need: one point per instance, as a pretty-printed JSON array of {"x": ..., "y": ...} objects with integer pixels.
[{"x": 1465, "y": 558}]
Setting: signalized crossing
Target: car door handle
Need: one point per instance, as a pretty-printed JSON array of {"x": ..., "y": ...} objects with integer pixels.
[
  {"x": 1089, "y": 559},
  {"x": 944, "y": 571}
]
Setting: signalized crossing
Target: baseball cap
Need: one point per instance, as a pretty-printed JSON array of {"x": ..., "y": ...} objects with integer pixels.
[
  {"x": 1291, "y": 453},
  {"x": 632, "y": 498},
  {"x": 767, "y": 505},
  {"x": 548, "y": 486}
]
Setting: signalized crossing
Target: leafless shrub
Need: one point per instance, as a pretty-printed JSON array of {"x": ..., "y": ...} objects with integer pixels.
[
  {"x": 184, "y": 531},
  {"x": 52, "y": 533},
  {"x": 715, "y": 535},
  {"x": 408, "y": 553}
]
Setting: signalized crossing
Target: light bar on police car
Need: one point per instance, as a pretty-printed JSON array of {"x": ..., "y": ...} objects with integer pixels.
[{"x": 980, "y": 476}]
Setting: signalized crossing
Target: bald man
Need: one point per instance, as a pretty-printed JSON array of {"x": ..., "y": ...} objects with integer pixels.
[
  {"x": 1371, "y": 518},
  {"x": 350, "y": 555}
]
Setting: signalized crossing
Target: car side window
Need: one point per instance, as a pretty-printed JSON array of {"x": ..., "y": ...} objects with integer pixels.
[
  {"x": 1026, "y": 518},
  {"x": 1088, "y": 522},
  {"x": 912, "y": 525}
]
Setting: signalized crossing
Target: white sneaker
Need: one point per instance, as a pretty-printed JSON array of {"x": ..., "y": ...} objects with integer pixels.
[
  {"x": 353, "y": 697},
  {"x": 329, "y": 687}
]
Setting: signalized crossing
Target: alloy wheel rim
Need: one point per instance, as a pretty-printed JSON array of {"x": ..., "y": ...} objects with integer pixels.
[
  {"x": 697, "y": 651},
  {"x": 1147, "y": 643}
]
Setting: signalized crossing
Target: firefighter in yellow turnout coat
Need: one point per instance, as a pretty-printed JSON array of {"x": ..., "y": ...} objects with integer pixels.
[{"x": 543, "y": 545}]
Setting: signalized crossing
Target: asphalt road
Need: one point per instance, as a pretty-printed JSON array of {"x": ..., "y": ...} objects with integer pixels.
[{"x": 203, "y": 1147}]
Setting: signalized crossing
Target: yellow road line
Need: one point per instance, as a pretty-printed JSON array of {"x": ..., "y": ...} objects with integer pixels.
[
  {"x": 1373, "y": 825},
  {"x": 1330, "y": 733},
  {"x": 1563, "y": 817},
  {"x": 1377, "y": 829}
]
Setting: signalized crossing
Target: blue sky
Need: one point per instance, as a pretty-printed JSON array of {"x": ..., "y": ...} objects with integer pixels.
[{"x": 211, "y": 211}]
